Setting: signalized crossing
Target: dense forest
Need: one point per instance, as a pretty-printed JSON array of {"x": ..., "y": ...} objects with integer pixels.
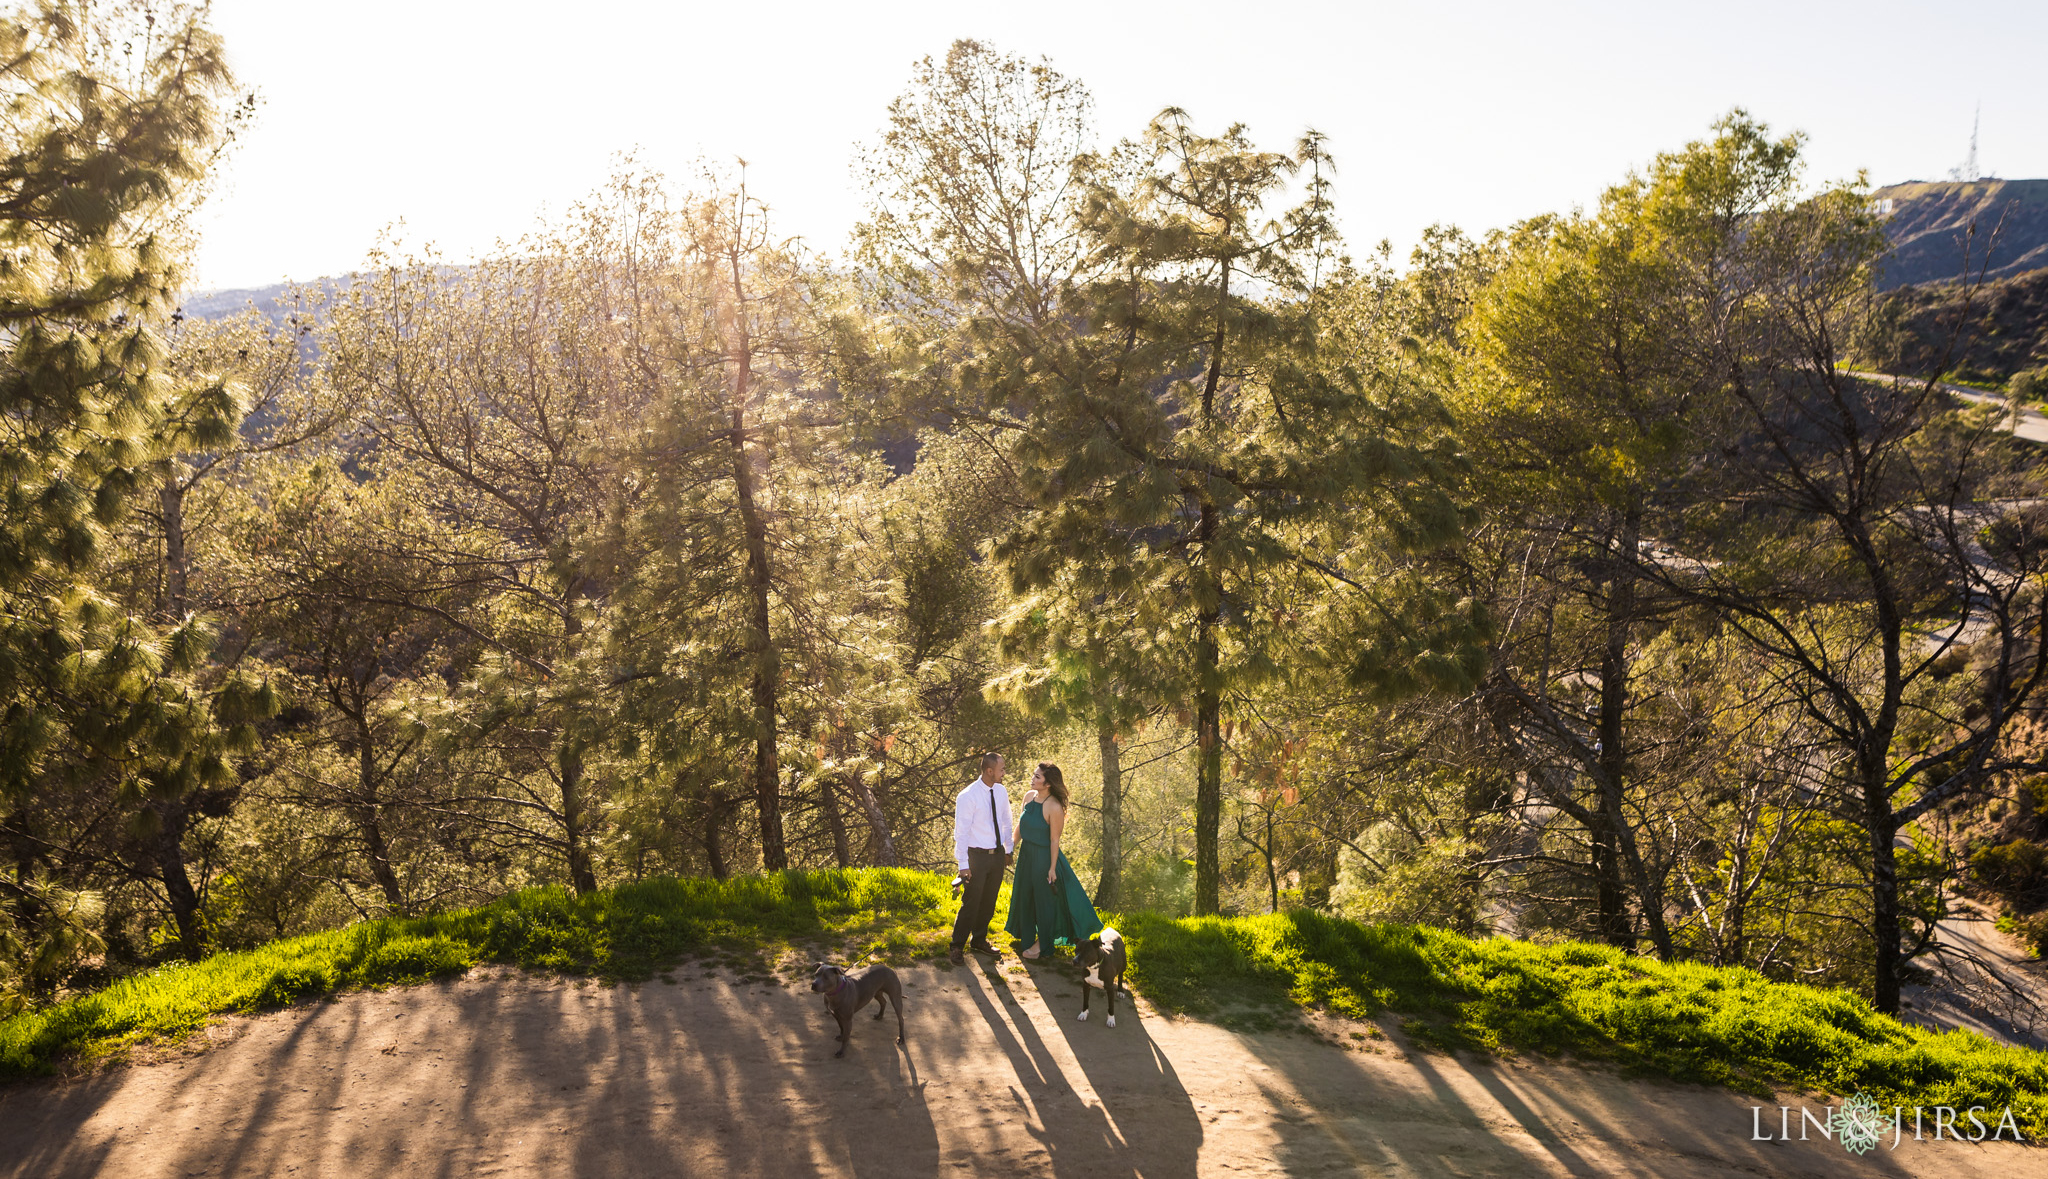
[{"x": 1556, "y": 581}]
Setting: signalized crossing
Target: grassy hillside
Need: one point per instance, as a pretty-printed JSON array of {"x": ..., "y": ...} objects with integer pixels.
[
  {"x": 1711, "y": 1025},
  {"x": 1691, "y": 1023}
]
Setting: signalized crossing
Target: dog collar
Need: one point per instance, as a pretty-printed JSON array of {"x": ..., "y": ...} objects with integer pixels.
[{"x": 844, "y": 982}]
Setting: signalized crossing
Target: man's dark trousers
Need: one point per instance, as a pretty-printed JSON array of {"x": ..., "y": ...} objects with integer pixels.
[{"x": 978, "y": 896}]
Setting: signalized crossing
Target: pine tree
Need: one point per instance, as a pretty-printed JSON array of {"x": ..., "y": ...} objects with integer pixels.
[
  {"x": 1134, "y": 335},
  {"x": 113, "y": 117},
  {"x": 1186, "y": 438},
  {"x": 1577, "y": 397},
  {"x": 737, "y": 597}
]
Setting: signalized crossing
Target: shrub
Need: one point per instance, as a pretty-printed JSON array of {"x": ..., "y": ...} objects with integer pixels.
[
  {"x": 2017, "y": 870},
  {"x": 288, "y": 984},
  {"x": 1160, "y": 884},
  {"x": 414, "y": 959},
  {"x": 1402, "y": 879},
  {"x": 2030, "y": 929},
  {"x": 2028, "y": 385}
]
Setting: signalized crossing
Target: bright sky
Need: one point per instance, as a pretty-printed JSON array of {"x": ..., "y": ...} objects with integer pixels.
[{"x": 467, "y": 120}]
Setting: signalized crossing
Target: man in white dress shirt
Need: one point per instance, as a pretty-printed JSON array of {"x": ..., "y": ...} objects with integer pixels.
[{"x": 982, "y": 842}]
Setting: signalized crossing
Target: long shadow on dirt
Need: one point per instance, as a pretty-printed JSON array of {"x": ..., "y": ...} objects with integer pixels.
[
  {"x": 1412, "y": 1112},
  {"x": 1146, "y": 1123},
  {"x": 712, "y": 1075}
]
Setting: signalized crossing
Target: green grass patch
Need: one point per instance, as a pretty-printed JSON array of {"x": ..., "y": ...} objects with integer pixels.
[
  {"x": 618, "y": 934},
  {"x": 1711, "y": 1025}
]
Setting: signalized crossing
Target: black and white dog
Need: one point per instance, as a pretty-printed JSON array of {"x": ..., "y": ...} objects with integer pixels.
[
  {"x": 845, "y": 994},
  {"x": 1105, "y": 959}
]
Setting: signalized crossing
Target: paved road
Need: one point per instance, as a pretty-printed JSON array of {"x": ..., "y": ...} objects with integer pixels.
[
  {"x": 2032, "y": 425},
  {"x": 2002, "y": 995}
]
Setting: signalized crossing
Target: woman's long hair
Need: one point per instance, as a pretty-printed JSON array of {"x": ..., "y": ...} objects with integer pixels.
[{"x": 1055, "y": 785}]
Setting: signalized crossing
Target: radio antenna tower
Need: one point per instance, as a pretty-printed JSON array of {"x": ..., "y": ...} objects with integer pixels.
[
  {"x": 1968, "y": 170},
  {"x": 1970, "y": 165}
]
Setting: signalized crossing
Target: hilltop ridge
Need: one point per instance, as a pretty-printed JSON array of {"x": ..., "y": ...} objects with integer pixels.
[
  {"x": 1927, "y": 222},
  {"x": 1930, "y": 220}
]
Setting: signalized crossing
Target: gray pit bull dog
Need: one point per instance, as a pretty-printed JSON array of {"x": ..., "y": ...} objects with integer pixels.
[{"x": 846, "y": 994}]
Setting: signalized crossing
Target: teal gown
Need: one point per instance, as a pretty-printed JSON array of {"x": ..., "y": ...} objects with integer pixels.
[{"x": 1047, "y": 914}]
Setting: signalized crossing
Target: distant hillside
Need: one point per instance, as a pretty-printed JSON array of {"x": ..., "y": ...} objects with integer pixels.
[
  {"x": 2006, "y": 331},
  {"x": 1927, "y": 225},
  {"x": 222, "y": 304},
  {"x": 1928, "y": 221}
]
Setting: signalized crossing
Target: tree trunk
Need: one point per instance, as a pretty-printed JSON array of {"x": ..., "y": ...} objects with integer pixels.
[
  {"x": 1731, "y": 945},
  {"x": 1109, "y": 888},
  {"x": 760, "y": 585},
  {"x": 1877, "y": 749},
  {"x": 1208, "y": 734},
  {"x": 574, "y": 837},
  {"x": 885, "y": 843},
  {"x": 767, "y": 762},
  {"x": 713, "y": 838},
  {"x": 1208, "y": 659},
  {"x": 169, "y": 853},
  {"x": 1611, "y": 915},
  {"x": 1272, "y": 871},
  {"x": 1650, "y": 891},
  {"x": 1321, "y": 875},
  {"x": 177, "y": 561},
  {"x": 371, "y": 828},
  {"x": 1884, "y": 896},
  {"x": 368, "y": 822},
  {"x": 1615, "y": 840},
  {"x": 1614, "y": 925},
  {"x": 841, "y": 854}
]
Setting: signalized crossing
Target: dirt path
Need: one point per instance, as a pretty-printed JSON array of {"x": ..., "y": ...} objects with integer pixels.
[{"x": 501, "y": 1074}]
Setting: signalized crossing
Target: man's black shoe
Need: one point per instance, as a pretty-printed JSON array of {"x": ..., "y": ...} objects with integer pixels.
[
  {"x": 955, "y": 956},
  {"x": 985, "y": 948}
]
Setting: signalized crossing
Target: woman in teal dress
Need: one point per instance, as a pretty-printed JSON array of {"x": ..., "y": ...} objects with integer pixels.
[{"x": 1047, "y": 903}]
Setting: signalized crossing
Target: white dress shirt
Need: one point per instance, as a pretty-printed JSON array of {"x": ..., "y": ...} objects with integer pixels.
[{"x": 975, "y": 825}]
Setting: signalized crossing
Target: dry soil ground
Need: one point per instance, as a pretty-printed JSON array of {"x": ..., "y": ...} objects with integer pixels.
[{"x": 502, "y": 1074}]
